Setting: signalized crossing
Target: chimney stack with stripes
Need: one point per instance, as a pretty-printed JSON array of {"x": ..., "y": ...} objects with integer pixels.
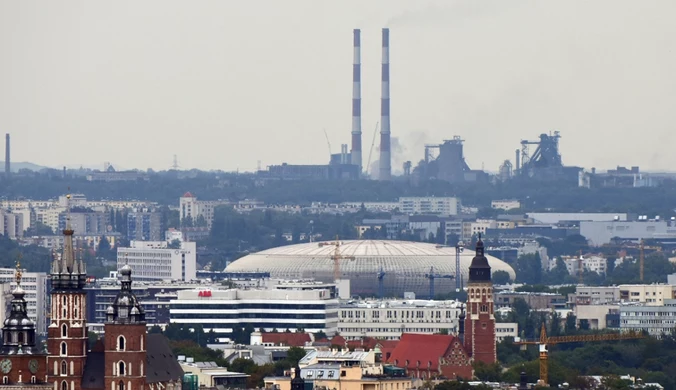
[
  {"x": 385, "y": 156},
  {"x": 356, "y": 102}
]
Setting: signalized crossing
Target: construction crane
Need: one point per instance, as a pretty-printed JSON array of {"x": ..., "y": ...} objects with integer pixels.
[
  {"x": 327, "y": 141},
  {"x": 381, "y": 283},
  {"x": 373, "y": 143},
  {"x": 336, "y": 257},
  {"x": 431, "y": 276},
  {"x": 545, "y": 341},
  {"x": 641, "y": 254}
]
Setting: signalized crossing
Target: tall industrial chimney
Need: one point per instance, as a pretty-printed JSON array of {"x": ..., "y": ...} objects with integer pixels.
[
  {"x": 385, "y": 156},
  {"x": 7, "y": 161},
  {"x": 356, "y": 102}
]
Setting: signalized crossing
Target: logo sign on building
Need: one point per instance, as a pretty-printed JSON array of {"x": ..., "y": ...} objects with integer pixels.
[{"x": 204, "y": 294}]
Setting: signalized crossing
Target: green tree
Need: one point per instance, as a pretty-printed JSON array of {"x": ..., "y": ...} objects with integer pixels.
[
  {"x": 500, "y": 277},
  {"x": 487, "y": 372},
  {"x": 200, "y": 221},
  {"x": 39, "y": 229},
  {"x": 294, "y": 354}
]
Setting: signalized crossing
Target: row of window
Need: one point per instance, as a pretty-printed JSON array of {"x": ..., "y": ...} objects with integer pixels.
[
  {"x": 241, "y": 306},
  {"x": 216, "y": 316}
]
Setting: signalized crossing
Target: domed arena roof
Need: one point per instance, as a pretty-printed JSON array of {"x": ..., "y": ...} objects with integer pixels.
[{"x": 405, "y": 265}]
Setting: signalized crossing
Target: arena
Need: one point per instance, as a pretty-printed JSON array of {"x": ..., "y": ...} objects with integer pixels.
[{"x": 404, "y": 263}]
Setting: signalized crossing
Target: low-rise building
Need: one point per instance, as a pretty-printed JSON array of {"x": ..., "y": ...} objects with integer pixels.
[
  {"x": 595, "y": 295},
  {"x": 506, "y": 204},
  {"x": 388, "y": 319},
  {"x": 345, "y": 377},
  {"x": 208, "y": 375}
]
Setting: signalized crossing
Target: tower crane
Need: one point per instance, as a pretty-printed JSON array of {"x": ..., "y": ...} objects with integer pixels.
[
  {"x": 381, "y": 283},
  {"x": 431, "y": 276},
  {"x": 545, "y": 341},
  {"x": 336, "y": 257}
]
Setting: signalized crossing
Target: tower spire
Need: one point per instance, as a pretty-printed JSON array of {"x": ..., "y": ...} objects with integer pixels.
[{"x": 68, "y": 272}]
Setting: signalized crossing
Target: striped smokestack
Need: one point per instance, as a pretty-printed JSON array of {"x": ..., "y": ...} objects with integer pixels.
[
  {"x": 385, "y": 156},
  {"x": 356, "y": 101}
]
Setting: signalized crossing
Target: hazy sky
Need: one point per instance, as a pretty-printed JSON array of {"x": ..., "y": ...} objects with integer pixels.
[{"x": 224, "y": 84}]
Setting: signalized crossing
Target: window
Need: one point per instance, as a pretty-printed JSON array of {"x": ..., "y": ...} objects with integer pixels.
[
  {"x": 120, "y": 369},
  {"x": 5, "y": 380},
  {"x": 33, "y": 379},
  {"x": 64, "y": 385},
  {"x": 120, "y": 386},
  {"x": 64, "y": 368},
  {"x": 64, "y": 331},
  {"x": 21, "y": 338},
  {"x": 64, "y": 349},
  {"x": 120, "y": 343}
]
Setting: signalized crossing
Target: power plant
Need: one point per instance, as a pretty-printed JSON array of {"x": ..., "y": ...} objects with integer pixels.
[
  {"x": 444, "y": 161},
  {"x": 350, "y": 165}
]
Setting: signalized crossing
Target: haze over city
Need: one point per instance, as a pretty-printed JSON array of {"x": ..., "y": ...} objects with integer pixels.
[{"x": 224, "y": 84}]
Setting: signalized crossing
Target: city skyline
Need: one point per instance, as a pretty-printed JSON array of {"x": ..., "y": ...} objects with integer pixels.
[{"x": 224, "y": 85}]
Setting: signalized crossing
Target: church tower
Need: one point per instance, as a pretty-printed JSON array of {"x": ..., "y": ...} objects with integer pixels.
[
  {"x": 125, "y": 338},
  {"x": 67, "y": 332},
  {"x": 21, "y": 362},
  {"x": 480, "y": 321}
]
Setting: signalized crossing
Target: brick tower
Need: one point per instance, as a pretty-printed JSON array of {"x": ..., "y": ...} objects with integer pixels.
[
  {"x": 480, "y": 320},
  {"x": 67, "y": 332},
  {"x": 21, "y": 362},
  {"x": 125, "y": 337}
]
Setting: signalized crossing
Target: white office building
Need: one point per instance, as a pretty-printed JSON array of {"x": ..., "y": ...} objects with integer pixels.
[
  {"x": 35, "y": 285},
  {"x": 388, "y": 319},
  {"x": 154, "y": 260},
  {"x": 222, "y": 311},
  {"x": 429, "y": 205}
]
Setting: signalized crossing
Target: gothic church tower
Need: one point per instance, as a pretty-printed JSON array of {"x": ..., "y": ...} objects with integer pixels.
[{"x": 480, "y": 321}]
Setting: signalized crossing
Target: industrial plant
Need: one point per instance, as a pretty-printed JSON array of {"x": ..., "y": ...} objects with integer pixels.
[{"x": 534, "y": 160}]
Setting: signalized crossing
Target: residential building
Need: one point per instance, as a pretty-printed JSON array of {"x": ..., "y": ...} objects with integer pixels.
[
  {"x": 533, "y": 247},
  {"x": 154, "y": 260},
  {"x": 144, "y": 225},
  {"x": 596, "y": 295},
  {"x": 430, "y": 205},
  {"x": 649, "y": 294},
  {"x": 50, "y": 217},
  {"x": 35, "y": 286},
  {"x": 222, "y": 311},
  {"x": 191, "y": 208},
  {"x": 480, "y": 226},
  {"x": 598, "y": 264},
  {"x": 86, "y": 223},
  {"x": 536, "y": 301},
  {"x": 657, "y": 320},
  {"x": 11, "y": 224},
  {"x": 507, "y": 204}
]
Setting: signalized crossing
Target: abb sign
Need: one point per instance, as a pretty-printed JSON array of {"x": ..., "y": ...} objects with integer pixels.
[{"x": 204, "y": 294}]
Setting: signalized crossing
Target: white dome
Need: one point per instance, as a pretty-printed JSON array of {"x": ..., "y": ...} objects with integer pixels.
[{"x": 405, "y": 264}]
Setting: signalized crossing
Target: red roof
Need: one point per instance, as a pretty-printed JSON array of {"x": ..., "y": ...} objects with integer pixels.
[
  {"x": 289, "y": 339},
  {"x": 338, "y": 340},
  {"x": 370, "y": 343},
  {"x": 421, "y": 350},
  {"x": 188, "y": 195}
]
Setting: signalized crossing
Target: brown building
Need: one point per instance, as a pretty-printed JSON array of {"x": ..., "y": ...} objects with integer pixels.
[
  {"x": 22, "y": 364},
  {"x": 118, "y": 364},
  {"x": 536, "y": 301},
  {"x": 479, "y": 337}
]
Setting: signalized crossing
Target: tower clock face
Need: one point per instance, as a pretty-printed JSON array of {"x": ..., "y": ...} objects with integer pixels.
[
  {"x": 33, "y": 366},
  {"x": 6, "y": 366}
]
